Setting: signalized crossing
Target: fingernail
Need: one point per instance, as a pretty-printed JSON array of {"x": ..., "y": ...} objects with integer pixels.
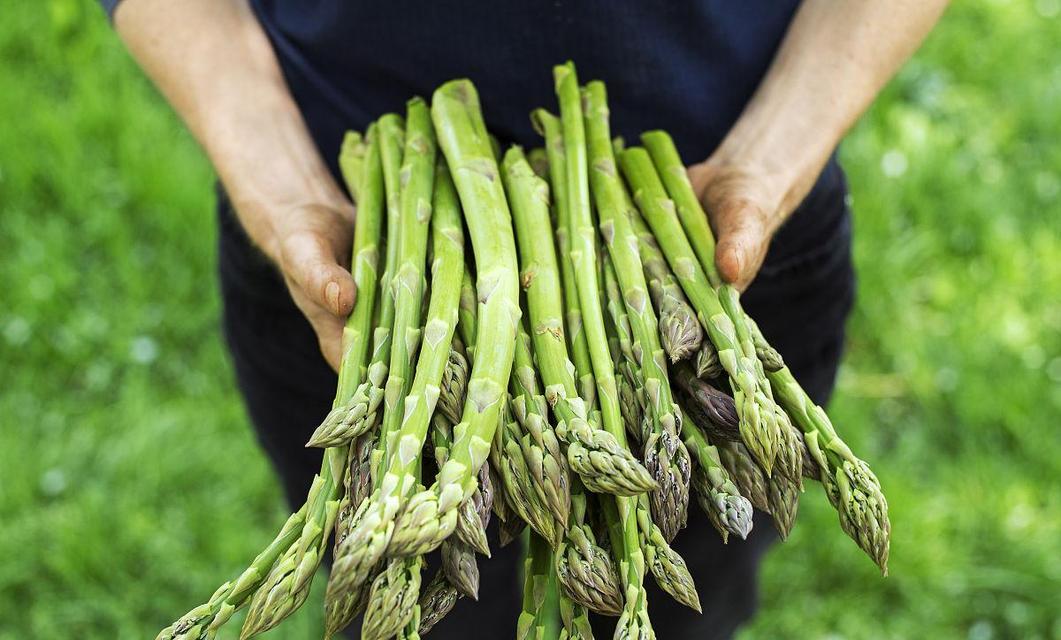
[{"x": 331, "y": 294}]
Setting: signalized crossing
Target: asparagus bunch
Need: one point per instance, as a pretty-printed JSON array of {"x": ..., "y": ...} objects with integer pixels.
[{"x": 615, "y": 286}]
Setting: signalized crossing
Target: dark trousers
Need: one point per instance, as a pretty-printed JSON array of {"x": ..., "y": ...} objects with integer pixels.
[{"x": 800, "y": 301}]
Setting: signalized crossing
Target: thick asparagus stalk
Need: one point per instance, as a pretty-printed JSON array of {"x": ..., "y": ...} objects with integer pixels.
[
  {"x": 408, "y": 408},
  {"x": 758, "y": 413},
  {"x": 633, "y": 622},
  {"x": 431, "y": 515},
  {"x": 594, "y": 454}
]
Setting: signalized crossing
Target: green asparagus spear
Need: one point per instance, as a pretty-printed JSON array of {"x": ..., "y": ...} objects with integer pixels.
[
  {"x": 431, "y": 515},
  {"x": 594, "y": 454},
  {"x": 634, "y": 622}
]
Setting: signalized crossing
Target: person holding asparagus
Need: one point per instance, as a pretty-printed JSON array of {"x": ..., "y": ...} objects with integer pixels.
[{"x": 760, "y": 94}]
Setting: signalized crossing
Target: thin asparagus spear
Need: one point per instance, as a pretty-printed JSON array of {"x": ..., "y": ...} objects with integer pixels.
[
  {"x": 392, "y": 599},
  {"x": 719, "y": 497},
  {"x": 539, "y": 618},
  {"x": 361, "y": 412},
  {"x": 202, "y": 622},
  {"x": 667, "y": 566},
  {"x": 458, "y": 558},
  {"x": 466, "y": 321},
  {"x": 745, "y": 472},
  {"x": 664, "y": 453},
  {"x": 431, "y": 514},
  {"x": 852, "y": 487},
  {"x": 758, "y": 413},
  {"x": 633, "y": 622},
  {"x": 583, "y": 568},
  {"x": 595, "y": 455},
  {"x": 679, "y": 329},
  {"x": 629, "y": 372},
  {"x": 408, "y": 408},
  {"x": 550, "y": 127},
  {"x": 540, "y": 447},
  {"x": 714, "y": 412}
]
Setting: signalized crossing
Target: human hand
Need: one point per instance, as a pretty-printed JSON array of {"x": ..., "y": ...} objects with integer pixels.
[
  {"x": 310, "y": 244},
  {"x": 745, "y": 206}
]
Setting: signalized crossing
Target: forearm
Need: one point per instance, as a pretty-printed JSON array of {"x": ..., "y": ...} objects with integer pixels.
[
  {"x": 835, "y": 58},
  {"x": 214, "y": 64}
]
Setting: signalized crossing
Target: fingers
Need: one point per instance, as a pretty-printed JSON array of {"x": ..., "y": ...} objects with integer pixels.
[
  {"x": 309, "y": 261},
  {"x": 327, "y": 326},
  {"x": 743, "y": 238},
  {"x": 737, "y": 204}
]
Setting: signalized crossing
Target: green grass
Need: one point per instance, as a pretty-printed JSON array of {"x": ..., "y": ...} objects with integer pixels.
[{"x": 131, "y": 485}]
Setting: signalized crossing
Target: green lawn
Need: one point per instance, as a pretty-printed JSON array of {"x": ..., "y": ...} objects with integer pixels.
[{"x": 130, "y": 483}]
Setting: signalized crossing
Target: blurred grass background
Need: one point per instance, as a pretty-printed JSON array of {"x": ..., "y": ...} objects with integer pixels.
[{"x": 130, "y": 484}]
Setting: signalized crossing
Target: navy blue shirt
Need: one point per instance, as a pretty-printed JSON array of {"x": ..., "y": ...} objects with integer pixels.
[{"x": 687, "y": 66}]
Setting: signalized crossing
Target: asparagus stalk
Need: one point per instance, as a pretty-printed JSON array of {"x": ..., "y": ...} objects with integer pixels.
[
  {"x": 431, "y": 515},
  {"x": 758, "y": 413},
  {"x": 574, "y": 620},
  {"x": 538, "y": 442},
  {"x": 633, "y": 622},
  {"x": 629, "y": 373},
  {"x": 392, "y": 599},
  {"x": 745, "y": 473},
  {"x": 202, "y": 622},
  {"x": 714, "y": 412},
  {"x": 361, "y": 411},
  {"x": 551, "y": 128},
  {"x": 708, "y": 366},
  {"x": 851, "y": 486},
  {"x": 539, "y": 618},
  {"x": 583, "y": 568},
  {"x": 408, "y": 408},
  {"x": 664, "y": 454},
  {"x": 458, "y": 557},
  {"x": 718, "y": 496},
  {"x": 604, "y": 465},
  {"x": 466, "y": 318},
  {"x": 679, "y": 329},
  {"x": 667, "y": 567}
]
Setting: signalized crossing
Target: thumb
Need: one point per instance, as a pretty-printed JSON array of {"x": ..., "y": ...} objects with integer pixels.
[
  {"x": 309, "y": 261},
  {"x": 743, "y": 237}
]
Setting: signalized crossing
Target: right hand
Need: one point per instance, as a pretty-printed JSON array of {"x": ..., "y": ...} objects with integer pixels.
[{"x": 311, "y": 246}]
